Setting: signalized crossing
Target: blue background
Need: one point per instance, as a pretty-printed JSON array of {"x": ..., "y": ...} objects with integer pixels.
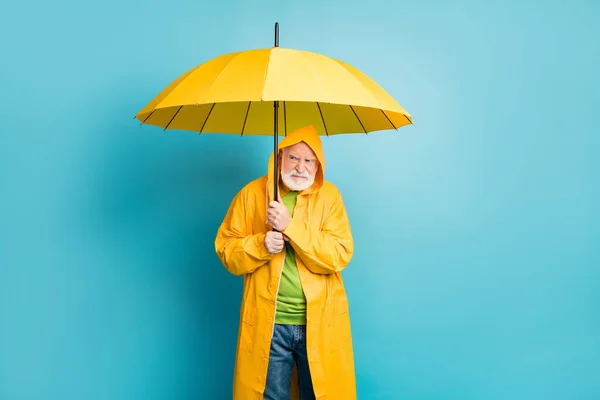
[{"x": 476, "y": 272}]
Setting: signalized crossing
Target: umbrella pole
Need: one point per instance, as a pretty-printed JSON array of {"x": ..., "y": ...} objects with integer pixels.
[
  {"x": 275, "y": 151},
  {"x": 275, "y": 133}
]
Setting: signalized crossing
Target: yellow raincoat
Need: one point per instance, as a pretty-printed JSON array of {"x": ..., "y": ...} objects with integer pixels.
[{"x": 320, "y": 235}]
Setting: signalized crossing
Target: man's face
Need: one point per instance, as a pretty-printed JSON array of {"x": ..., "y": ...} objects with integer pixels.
[{"x": 299, "y": 166}]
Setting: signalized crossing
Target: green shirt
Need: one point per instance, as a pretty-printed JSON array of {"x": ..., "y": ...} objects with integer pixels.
[{"x": 291, "y": 303}]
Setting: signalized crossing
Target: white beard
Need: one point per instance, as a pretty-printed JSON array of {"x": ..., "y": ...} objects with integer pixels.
[{"x": 297, "y": 186}]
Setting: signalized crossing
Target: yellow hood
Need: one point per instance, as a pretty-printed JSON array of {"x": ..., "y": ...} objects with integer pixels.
[{"x": 309, "y": 136}]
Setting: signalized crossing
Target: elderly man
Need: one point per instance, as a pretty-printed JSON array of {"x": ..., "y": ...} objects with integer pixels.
[{"x": 294, "y": 337}]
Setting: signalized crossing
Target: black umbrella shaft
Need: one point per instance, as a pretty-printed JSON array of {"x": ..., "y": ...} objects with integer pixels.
[
  {"x": 275, "y": 133},
  {"x": 275, "y": 149}
]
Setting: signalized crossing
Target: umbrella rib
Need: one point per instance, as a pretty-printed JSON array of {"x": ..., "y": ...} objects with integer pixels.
[
  {"x": 322, "y": 119},
  {"x": 235, "y": 55},
  {"x": 315, "y": 76},
  {"x": 347, "y": 68},
  {"x": 393, "y": 126},
  {"x": 246, "y": 117},
  {"x": 358, "y": 119},
  {"x": 146, "y": 119},
  {"x": 172, "y": 86},
  {"x": 207, "y": 116},
  {"x": 179, "y": 109}
]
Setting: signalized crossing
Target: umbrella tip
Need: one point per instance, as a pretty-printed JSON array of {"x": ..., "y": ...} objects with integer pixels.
[{"x": 276, "y": 34}]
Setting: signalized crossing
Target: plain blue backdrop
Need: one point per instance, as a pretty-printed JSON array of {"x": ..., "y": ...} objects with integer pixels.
[{"x": 476, "y": 273}]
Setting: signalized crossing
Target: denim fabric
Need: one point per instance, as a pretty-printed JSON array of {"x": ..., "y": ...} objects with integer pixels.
[{"x": 288, "y": 347}]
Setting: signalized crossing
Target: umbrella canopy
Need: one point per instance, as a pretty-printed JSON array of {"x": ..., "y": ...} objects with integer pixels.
[
  {"x": 274, "y": 91},
  {"x": 234, "y": 93}
]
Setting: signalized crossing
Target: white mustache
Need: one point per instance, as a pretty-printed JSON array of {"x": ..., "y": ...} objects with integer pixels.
[{"x": 293, "y": 174}]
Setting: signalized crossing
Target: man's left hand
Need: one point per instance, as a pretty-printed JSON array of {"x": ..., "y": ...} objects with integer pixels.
[{"x": 278, "y": 216}]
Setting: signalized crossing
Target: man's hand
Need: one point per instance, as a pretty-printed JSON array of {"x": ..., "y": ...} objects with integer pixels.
[
  {"x": 274, "y": 242},
  {"x": 278, "y": 216}
]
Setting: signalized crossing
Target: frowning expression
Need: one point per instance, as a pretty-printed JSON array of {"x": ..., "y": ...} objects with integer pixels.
[{"x": 299, "y": 166}]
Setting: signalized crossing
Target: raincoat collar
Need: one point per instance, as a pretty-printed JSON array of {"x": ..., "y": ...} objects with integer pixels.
[{"x": 309, "y": 136}]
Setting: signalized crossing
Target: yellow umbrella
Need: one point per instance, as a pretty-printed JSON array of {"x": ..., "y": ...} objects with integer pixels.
[{"x": 272, "y": 90}]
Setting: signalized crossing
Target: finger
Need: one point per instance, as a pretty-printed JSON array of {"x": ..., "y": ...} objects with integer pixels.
[{"x": 273, "y": 216}]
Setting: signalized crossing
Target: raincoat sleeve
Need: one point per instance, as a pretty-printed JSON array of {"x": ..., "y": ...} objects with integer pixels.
[
  {"x": 240, "y": 250},
  {"x": 327, "y": 250}
]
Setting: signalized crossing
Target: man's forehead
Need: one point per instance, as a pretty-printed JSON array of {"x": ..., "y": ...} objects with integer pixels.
[{"x": 302, "y": 149}]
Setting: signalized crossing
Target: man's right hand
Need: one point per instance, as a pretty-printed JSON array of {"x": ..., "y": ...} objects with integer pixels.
[{"x": 274, "y": 242}]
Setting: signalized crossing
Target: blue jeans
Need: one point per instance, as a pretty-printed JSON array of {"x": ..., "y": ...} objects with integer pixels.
[{"x": 288, "y": 347}]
